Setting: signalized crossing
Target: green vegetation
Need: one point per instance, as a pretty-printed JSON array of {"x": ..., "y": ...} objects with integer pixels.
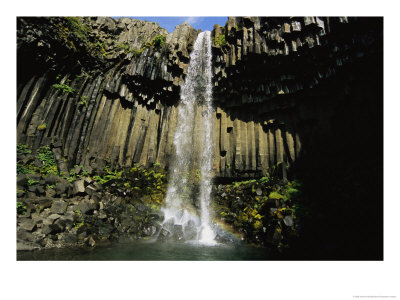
[
  {"x": 147, "y": 184},
  {"x": 32, "y": 182},
  {"x": 21, "y": 208},
  {"x": 220, "y": 40},
  {"x": 80, "y": 221},
  {"x": 83, "y": 101},
  {"x": 23, "y": 149},
  {"x": 42, "y": 127},
  {"x": 44, "y": 155},
  {"x": 74, "y": 34},
  {"x": 257, "y": 207},
  {"x": 64, "y": 87},
  {"x": 159, "y": 41},
  {"x": 73, "y": 176}
]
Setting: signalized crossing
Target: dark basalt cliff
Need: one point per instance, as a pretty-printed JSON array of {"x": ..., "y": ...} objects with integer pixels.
[
  {"x": 280, "y": 83},
  {"x": 304, "y": 92}
]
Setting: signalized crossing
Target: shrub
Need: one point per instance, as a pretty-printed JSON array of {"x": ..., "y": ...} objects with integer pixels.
[
  {"x": 23, "y": 149},
  {"x": 65, "y": 88},
  {"x": 220, "y": 40},
  {"x": 159, "y": 41}
]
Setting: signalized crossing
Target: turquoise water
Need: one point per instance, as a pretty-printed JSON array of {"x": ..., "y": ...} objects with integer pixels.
[{"x": 152, "y": 251}]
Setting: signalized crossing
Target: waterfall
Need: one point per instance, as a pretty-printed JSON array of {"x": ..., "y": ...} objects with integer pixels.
[{"x": 196, "y": 93}]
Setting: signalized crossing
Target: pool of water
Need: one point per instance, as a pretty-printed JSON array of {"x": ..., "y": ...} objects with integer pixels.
[{"x": 152, "y": 251}]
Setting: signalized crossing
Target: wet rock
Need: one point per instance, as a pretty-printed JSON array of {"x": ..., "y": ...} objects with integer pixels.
[
  {"x": 149, "y": 231},
  {"x": 277, "y": 236},
  {"x": 190, "y": 230},
  {"x": 59, "y": 207},
  {"x": 91, "y": 242},
  {"x": 26, "y": 246},
  {"x": 164, "y": 234},
  {"x": 288, "y": 220},
  {"x": 141, "y": 207},
  {"x": 68, "y": 237},
  {"x": 178, "y": 233}
]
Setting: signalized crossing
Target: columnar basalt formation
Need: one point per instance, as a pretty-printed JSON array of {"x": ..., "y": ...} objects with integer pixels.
[{"x": 280, "y": 84}]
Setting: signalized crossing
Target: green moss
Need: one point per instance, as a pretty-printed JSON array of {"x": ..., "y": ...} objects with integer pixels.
[
  {"x": 42, "y": 127},
  {"x": 220, "y": 40},
  {"x": 275, "y": 196}
]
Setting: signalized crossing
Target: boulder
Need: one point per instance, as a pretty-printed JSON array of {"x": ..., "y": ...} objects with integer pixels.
[
  {"x": 164, "y": 234},
  {"x": 59, "y": 207},
  {"x": 35, "y": 177},
  {"x": 90, "y": 190},
  {"x": 44, "y": 202},
  {"x": 50, "y": 193},
  {"x": 40, "y": 191},
  {"x": 79, "y": 187},
  {"x": 91, "y": 242},
  {"x": 53, "y": 217},
  {"x": 27, "y": 224},
  {"x": 26, "y": 246},
  {"x": 288, "y": 220},
  {"x": 77, "y": 170},
  {"x": 178, "y": 233},
  {"x": 87, "y": 206},
  {"x": 69, "y": 237},
  {"x": 52, "y": 179},
  {"x": 61, "y": 188},
  {"x": 23, "y": 235}
]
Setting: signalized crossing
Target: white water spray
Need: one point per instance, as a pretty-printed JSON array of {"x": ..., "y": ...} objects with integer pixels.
[{"x": 197, "y": 90}]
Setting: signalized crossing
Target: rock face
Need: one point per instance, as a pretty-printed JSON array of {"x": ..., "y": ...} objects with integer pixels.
[{"x": 269, "y": 75}]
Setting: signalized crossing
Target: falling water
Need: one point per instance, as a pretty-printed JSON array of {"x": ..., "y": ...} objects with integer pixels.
[{"x": 195, "y": 92}]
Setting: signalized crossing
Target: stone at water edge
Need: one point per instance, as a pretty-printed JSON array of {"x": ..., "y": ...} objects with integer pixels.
[
  {"x": 27, "y": 224},
  {"x": 164, "y": 234}
]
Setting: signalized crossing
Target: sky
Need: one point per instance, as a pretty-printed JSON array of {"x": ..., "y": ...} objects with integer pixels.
[{"x": 169, "y": 23}]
